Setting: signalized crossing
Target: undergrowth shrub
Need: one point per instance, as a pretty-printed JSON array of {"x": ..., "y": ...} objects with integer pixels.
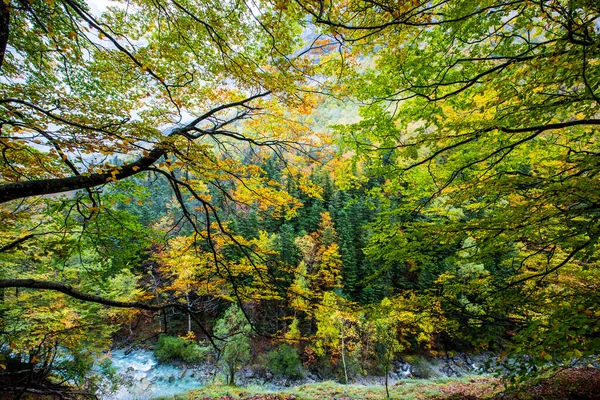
[
  {"x": 173, "y": 348},
  {"x": 285, "y": 362}
]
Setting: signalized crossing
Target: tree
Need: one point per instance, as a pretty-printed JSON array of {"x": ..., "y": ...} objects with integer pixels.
[
  {"x": 396, "y": 324},
  {"x": 79, "y": 87},
  {"x": 234, "y": 331},
  {"x": 321, "y": 262},
  {"x": 482, "y": 117},
  {"x": 335, "y": 335},
  {"x": 288, "y": 252},
  {"x": 185, "y": 92},
  {"x": 513, "y": 81},
  {"x": 386, "y": 333},
  {"x": 50, "y": 336},
  {"x": 348, "y": 252},
  {"x": 477, "y": 136},
  {"x": 164, "y": 89}
]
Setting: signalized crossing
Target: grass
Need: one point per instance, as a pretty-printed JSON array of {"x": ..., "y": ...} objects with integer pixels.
[
  {"x": 571, "y": 384},
  {"x": 478, "y": 387}
]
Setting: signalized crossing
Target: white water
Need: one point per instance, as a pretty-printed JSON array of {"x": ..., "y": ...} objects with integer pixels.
[{"x": 144, "y": 378}]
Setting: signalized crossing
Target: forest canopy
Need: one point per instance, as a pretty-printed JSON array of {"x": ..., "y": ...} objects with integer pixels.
[{"x": 419, "y": 175}]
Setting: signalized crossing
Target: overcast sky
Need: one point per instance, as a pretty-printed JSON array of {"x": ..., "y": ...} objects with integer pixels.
[{"x": 98, "y": 6}]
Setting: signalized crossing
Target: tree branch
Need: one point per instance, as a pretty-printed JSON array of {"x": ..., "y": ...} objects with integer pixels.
[
  {"x": 15, "y": 243},
  {"x": 75, "y": 293},
  {"x": 79, "y": 295},
  {"x": 20, "y": 190}
]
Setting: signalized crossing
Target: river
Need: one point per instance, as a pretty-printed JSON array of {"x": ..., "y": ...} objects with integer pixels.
[{"x": 144, "y": 378}]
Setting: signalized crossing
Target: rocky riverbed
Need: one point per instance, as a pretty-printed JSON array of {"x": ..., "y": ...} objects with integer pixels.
[{"x": 142, "y": 377}]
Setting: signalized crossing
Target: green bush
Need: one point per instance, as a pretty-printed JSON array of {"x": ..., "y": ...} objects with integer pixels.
[
  {"x": 285, "y": 361},
  {"x": 169, "y": 348},
  {"x": 195, "y": 354},
  {"x": 172, "y": 348}
]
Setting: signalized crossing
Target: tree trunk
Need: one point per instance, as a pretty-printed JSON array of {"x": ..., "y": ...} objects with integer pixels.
[
  {"x": 343, "y": 357},
  {"x": 387, "y": 372},
  {"x": 164, "y": 314},
  {"x": 4, "y": 29},
  {"x": 232, "y": 374},
  {"x": 71, "y": 291},
  {"x": 187, "y": 299}
]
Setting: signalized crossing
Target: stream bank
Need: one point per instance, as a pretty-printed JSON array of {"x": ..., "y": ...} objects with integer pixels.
[{"x": 142, "y": 377}]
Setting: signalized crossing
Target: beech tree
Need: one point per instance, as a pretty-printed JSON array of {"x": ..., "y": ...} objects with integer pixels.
[
  {"x": 195, "y": 93},
  {"x": 492, "y": 102},
  {"x": 483, "y": 118},
  {"x": 167, "y": 88}
]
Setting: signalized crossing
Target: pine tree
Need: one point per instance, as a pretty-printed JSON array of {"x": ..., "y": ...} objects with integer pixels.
[{"x": 348, "y": 253}]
